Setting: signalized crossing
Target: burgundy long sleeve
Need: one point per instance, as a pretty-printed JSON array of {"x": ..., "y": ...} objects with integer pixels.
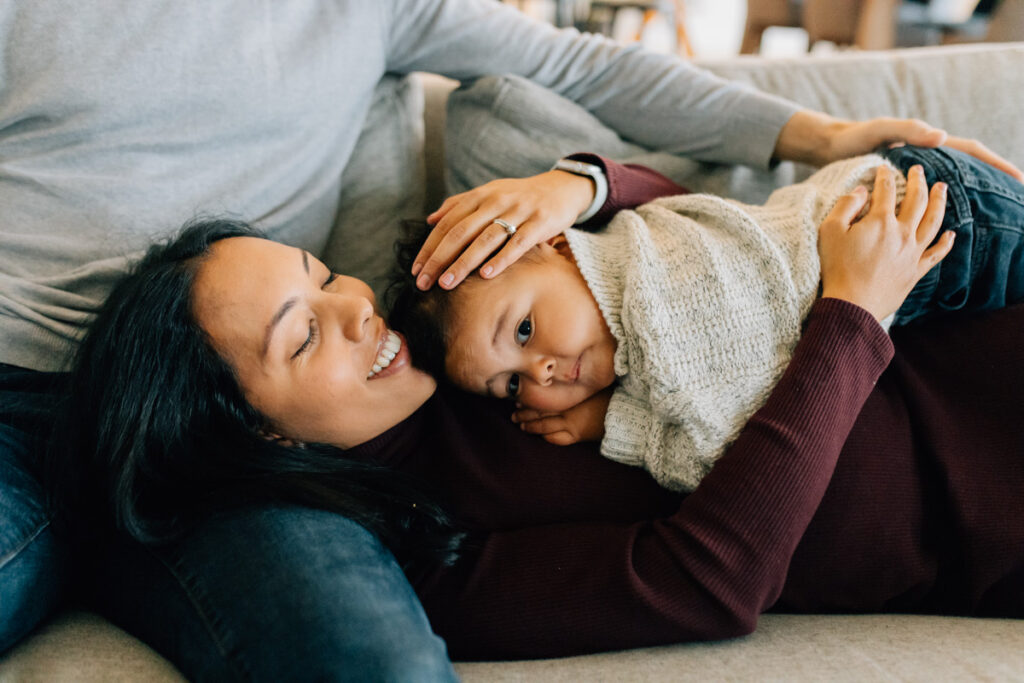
[
  {"x": 704, "y": 571},
  {"x": 546, "y": 578},
  {"x": 629, "y": 186},
  {"x": 839, "y": 495}
]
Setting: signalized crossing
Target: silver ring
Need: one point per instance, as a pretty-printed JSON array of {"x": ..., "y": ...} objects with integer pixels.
[{"x": 510, "y": 228}]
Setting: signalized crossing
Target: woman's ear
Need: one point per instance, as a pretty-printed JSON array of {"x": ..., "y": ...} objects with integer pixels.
[{"x": 278, "y": 439}]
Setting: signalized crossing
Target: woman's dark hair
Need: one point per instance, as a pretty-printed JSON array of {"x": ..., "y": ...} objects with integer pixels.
[{"x": 156, "y": 434}]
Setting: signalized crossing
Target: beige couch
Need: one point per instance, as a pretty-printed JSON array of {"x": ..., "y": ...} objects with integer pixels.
[{"x": 973, "y": 90}]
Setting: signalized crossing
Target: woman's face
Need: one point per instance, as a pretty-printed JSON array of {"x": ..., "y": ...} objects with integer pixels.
[{"x": 310, "y": 350}]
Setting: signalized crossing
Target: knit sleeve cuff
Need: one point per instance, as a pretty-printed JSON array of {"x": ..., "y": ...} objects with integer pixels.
[{"x": 626, "y": 427}]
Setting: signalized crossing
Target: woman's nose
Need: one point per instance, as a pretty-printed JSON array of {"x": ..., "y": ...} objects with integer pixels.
[{"x": 356, "y": 312}]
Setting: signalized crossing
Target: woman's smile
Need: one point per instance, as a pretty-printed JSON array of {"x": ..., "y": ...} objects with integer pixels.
[{"x": 392, "y": 356}]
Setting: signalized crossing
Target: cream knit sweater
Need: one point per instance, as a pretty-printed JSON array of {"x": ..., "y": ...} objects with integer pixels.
[{"x": 705, "y": 297}]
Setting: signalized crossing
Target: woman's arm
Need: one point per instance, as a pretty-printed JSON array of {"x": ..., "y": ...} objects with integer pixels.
[
  {"x": 705, "y": 572},
  {"x": 708, "y": 570}
]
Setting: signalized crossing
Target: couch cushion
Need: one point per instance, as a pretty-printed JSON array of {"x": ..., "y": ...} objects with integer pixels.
[
  {"x": 82, "y": 647},
  {"x": 802, "y": 648}
]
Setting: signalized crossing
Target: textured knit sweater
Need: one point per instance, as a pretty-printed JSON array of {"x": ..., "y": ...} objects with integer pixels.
[
  {"x": 121, "y": 119},
  {"x": 705, "y": 298}
]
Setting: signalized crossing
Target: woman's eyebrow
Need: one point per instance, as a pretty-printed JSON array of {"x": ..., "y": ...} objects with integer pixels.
[{"x": 285, "y": 307}]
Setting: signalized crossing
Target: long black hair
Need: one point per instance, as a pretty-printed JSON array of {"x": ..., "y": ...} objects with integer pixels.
[{"x": 156, "y": 433}]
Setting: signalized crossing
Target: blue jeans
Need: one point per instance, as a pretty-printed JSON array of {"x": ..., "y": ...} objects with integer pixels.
[
  {"x": 985, "y": 208},
  {"x": 34, "y": 565},
  {"x": 272, "y": 593}
]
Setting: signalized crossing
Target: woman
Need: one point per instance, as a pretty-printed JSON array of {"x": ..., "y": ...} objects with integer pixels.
[{"x": 567, "y": 552}]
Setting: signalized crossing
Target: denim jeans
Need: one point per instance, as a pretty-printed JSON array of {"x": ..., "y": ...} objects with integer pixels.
[
  {"x": 272, "y": 593},
  {"x": 34, "y": 566},
  {"x": 985, "y": 208}
]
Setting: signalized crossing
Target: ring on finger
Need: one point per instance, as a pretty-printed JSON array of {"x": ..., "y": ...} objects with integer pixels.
[{"x": 510, "y": 228}]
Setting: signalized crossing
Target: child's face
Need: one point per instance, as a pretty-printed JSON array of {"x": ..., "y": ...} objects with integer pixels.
[{"x": 534, "y": 334}]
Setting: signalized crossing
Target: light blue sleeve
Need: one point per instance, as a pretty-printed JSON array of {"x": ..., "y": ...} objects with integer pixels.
[{"x": 659, "y": 101}]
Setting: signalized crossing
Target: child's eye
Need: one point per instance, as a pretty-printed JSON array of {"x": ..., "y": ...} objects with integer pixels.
[
  {"x": 523, "y": 331},
  {"x": 331, "y": 278},
  {"x": 512, "y": 388}
]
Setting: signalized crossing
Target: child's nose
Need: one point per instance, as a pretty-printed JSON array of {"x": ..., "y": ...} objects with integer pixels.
[{"x": 543, "y": 370}]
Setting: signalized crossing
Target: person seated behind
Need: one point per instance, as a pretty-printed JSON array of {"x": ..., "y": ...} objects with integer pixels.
[{"x": 665, "y": 332}]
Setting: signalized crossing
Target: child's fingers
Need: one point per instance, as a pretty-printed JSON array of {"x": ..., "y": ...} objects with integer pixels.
[
  {"x": 562, "y": 438},
  {"x": 916, "y": 199},
  {"x": 545, "y": 425}
]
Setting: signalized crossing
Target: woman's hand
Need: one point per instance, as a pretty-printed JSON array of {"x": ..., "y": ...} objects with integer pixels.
[
  {"x": 818, "y": 139},
  {"x": 875, "y": 261},
  {"x": 583, "y": 422},
  {"x": 465, "y": 233}
]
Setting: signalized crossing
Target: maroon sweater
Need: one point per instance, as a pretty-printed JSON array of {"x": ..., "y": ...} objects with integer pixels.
[{"x": 855, "y": 488}]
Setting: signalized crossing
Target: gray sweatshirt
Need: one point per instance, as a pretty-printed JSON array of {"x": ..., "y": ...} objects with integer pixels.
[{"x": 121, "y": 119}]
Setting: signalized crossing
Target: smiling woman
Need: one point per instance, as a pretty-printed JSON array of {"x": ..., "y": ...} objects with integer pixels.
[
  {"x": 210, "y": 320},
  {"x": 304, "y": 343}
]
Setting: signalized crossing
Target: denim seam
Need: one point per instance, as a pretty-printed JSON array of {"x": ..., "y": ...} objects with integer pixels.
[
  {"x": 197, "y": 597},
  {"x": 20, "y": 547}
]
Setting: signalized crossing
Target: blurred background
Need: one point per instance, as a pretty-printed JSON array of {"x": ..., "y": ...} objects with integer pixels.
[{"x": 722, "y": 28}]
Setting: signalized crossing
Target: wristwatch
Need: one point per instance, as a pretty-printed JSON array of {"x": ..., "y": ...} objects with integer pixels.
[{"x": 595, "y": 173}]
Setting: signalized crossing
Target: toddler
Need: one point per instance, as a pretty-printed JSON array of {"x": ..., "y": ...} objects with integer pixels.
[{"x": 668, "y": 329}]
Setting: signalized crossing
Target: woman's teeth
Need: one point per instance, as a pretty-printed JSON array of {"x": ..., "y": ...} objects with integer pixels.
[{"x": 386, "y": 354}]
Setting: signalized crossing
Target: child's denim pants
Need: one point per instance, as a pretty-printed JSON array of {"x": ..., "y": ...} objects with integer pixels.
[{"x": 985, "y": 208}]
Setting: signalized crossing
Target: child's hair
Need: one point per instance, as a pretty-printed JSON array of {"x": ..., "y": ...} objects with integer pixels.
[{"x": 424, "y": 317}]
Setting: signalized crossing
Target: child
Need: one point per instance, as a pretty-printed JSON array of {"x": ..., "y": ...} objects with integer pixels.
[{"x": 690, "y": 306}]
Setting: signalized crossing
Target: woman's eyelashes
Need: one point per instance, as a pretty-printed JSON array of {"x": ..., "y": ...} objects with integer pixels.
[
  {"x": 313, "y": 329},
  {"x": 311, "y": 338}
]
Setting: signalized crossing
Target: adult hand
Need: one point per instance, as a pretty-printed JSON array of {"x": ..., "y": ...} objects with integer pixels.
[
  {"x": 875, "y": 261},
  {"x": 582, "y": 422},
  {"x": 818, "y": 139},
  {"x": 465, "y": 233}
]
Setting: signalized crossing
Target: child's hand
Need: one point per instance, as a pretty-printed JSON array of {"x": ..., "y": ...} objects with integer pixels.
[{"x": 583, "y": 422}]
